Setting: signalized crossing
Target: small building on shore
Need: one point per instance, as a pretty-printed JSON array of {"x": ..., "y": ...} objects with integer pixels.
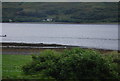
[
  {"x": 10, "y": 20},
  {"x": 48, "y": 20}
]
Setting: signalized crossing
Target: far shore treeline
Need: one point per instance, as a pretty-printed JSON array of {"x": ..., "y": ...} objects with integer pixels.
[{"x": 65, "y": 12}]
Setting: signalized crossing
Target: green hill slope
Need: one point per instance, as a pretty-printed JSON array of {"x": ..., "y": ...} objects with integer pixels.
[{"x": 86, "y": 12}]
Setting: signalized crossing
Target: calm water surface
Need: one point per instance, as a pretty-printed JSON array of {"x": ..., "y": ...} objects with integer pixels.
[{"x": 88, "y": 35}]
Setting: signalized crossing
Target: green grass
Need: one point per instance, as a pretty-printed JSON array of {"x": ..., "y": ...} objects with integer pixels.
[{"x": 11, "y": 66}]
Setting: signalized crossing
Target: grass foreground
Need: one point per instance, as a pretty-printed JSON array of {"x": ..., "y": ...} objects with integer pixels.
[
  {"x": 12, "y": 67},
  {"x": 12, "y": 64}
]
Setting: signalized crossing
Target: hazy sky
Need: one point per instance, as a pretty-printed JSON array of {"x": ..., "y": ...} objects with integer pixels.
[{"x": 59, "y": 0}]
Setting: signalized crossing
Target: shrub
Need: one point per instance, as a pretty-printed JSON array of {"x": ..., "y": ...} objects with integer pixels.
[{"x": 76, "y": 64}]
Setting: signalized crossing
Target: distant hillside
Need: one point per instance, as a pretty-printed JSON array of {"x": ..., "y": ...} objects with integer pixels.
[{"x": 68, "y": 12}]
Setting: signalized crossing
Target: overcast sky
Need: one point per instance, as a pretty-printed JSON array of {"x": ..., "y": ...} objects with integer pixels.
[{"x": 59, "y": 0}]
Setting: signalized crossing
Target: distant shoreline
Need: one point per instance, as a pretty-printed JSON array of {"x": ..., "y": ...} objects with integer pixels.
[{"x": 58, "y": 23}]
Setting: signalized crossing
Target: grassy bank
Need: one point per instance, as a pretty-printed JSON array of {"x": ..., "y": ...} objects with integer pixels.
[
  {"x": 11, "y": 67},
  {"x": 12, "y": 64}
]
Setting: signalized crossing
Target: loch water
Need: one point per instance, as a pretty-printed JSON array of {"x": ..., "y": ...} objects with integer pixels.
[{"x": 101, "y": 36}]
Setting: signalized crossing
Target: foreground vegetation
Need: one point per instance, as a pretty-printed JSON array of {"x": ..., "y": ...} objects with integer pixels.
[
  {"x": 12, "y": 64},
  {"x": 76, "y": 64},
  {"x": 66, "y": 12}
]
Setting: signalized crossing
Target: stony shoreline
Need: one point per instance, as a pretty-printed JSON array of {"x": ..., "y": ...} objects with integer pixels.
[
  {"x": 33, "y": 45},
  {"x": 30, "y": 48},
  {"x": 36, "y": 48}
]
